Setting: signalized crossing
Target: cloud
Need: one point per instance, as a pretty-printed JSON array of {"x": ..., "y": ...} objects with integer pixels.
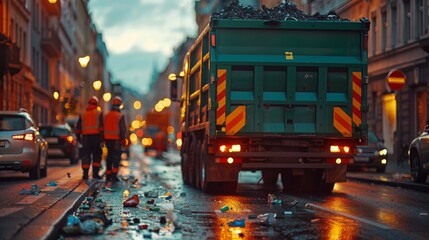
[{"x": 139, "y": 33}]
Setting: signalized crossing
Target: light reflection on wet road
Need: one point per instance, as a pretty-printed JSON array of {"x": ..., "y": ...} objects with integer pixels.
[{"x": 353, "y": 211}]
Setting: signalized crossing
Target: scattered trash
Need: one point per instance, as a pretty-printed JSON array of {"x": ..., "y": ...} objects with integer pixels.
[
  {"x": 126, "y": 193},
  {"x": 72, "y": 220},
  {"x": 143, "y": 226},
  {"x": 224, "y": 209},
  {"x": 252, "y": 216},
  {"x": 90, "y": 227},
  {"x": 284, "y": 11},
  {"x": 68, "y": 175},
  {"x": 315, "y": 220},
  {"x": 151, "y": 201},
  {"x": 132, "y": 201},
  {"x": 34, "y": 190},
  {"x": 267, "y": 218},
  {"x": 273, "y": 200},
  {"x": 154, "y": 209},
  {"x": 293, "y": 203},
  {"x": 99, "y": 217},
  {"x": 182, "y": 194},
  {"x": 151, "y": 194},
  {"x": 287, "y": 212},
  {"x": 51, "y": 184},
  {"x": 162, "y": 220},
  {"x": 237, "y": 223}
]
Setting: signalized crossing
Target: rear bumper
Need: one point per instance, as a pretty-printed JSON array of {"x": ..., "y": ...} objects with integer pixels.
[{"x": 18, "y": 162}]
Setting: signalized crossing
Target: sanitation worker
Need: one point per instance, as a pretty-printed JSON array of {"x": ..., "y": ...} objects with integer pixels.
[
  {"x": 89, "y": 131},
  {"x": 114, "y": 138}
]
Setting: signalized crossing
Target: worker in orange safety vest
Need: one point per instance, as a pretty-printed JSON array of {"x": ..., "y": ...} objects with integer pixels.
[
  {"x": 89, "y": 131},
  {"x": 114, "y": 138}
]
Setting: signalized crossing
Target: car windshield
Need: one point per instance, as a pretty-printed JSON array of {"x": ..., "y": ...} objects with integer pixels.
[
  {"x": 53, "y": 132},
  {"x": 372, "y": 138},
  {"x": 12, "y": 123}
]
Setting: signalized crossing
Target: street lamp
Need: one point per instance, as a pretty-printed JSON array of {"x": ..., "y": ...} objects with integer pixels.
[
  {"x": 173, "y": 84},
  {"x": 83, "y": 61},
  {"x": 97, "y": 85},
  {"x": 107, "y": 96}
]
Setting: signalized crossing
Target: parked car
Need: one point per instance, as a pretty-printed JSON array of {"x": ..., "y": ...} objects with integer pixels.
[
  {"x": 373, "y": 155},
  {"x": 22, "y": 147},
  {"x": 62, "y": 141},
  {"x": 418, "y": 157}
]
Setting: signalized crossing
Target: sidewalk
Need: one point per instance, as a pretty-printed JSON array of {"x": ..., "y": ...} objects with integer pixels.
[{"x": 395, "y": 175}]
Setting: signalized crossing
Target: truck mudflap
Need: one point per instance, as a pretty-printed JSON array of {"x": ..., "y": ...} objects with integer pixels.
[{"x": 336, "y": 174}]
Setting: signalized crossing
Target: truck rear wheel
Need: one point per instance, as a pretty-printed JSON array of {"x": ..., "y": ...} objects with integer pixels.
[
  {"x": 198, "y": 165},
  {"x": 270, "y": 177}
]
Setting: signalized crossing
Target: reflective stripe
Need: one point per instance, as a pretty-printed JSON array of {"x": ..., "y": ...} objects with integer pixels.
[
  {"x": 96, "y": 164},
  {"x": 90, "y": 122},
  {"x": 85, "y": 166},
  {"x": 115, "y": 170}
]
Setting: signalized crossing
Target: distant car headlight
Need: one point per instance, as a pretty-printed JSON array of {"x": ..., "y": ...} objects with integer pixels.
[{"x": 383, "y": 152}]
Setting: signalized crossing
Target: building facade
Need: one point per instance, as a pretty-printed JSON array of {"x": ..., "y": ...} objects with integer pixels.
[
  {"x": 398, "y": 40},
  {"x": 41, "y": 42}
]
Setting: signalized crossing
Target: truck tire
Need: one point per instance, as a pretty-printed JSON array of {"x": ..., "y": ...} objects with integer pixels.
[
  {"x": 187, "y": 163},
  {"x": 291, "y": 183},
  {"x": 191, "y": 162},
  {"x": 270, "y": 177},
  {"x": 320, "y": 184},
  {"x": 198, "y": 165},
  {"x": 417, "y": 174}
]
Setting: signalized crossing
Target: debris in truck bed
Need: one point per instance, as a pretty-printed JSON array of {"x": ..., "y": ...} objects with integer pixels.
[{"x": 285, "y": 11}]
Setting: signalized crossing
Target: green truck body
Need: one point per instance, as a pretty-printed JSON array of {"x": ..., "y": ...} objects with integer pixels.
[{"x": 283, "y": 97}]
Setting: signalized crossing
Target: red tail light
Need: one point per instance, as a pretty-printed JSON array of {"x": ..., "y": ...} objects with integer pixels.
[
  {"x": 213, "y": 40},
  {"x": 69, "y": 139},
  {"x": 26, "y": 137}
]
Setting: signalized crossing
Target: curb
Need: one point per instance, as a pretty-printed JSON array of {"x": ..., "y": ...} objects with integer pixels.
[
  {"x": 49, "y": 223},
  {"x": 76, "y": 197},
  {"x": 414, "y": 186}
]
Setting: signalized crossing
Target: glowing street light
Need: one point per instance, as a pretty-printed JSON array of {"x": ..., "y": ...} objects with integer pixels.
[
  {"x": 107, "y": 96},
  {"x": 83, "y": 61},
  {"x": 137, "y": 104},
  {"x": 97, "y": 85},
  {"x": 56, "y": 95}
]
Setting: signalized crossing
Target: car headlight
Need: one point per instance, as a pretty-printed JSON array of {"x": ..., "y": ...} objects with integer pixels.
[{"x": 383, "y": 152}]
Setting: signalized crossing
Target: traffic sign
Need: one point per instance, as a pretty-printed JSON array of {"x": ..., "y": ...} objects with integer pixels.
[{"x": 396, "y": 79}]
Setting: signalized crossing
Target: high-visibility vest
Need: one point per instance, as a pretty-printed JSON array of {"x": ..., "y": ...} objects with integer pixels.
[
  {"x": 111, "y": 125},
  {"x": 90, "y": 122}
]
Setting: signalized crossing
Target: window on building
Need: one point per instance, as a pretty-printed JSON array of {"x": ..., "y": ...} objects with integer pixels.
[
  {"x": 407, "y": 21},
  {"x": 420, "y": 28},
  {"x": 383, "y": 30},
  {"x": 394, "y": 25},
  {"x": 374, "y": 34}
]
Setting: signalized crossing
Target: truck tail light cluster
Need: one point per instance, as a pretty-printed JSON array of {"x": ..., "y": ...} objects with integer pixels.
[
  {"x": 229, "y": 148},
  {"x": 339, "y": 160},
  {"x": 339, "y": 149},
  {"x": 25, "y": 136},
  {"x": 229, "y": 160}
]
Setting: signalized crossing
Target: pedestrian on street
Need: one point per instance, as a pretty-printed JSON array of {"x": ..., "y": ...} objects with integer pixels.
[
  {"x": 89, "y": 130},
  {"x": 115, "y": 138}
]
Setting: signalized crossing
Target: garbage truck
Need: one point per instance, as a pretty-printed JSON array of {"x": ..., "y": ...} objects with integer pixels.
[
  {"x": 284, "y": 97},
  {"x": 155, "y": 132}
]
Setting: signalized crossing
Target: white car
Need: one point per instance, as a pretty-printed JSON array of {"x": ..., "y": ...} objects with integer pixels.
[{"x": 22, "y": 148}]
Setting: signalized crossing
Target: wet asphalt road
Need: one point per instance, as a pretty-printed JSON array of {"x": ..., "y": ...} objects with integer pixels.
[{"x": 353, "y": 211}]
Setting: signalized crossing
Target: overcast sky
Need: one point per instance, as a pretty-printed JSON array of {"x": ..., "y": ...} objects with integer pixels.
[{"x": 141, "y": 35}]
